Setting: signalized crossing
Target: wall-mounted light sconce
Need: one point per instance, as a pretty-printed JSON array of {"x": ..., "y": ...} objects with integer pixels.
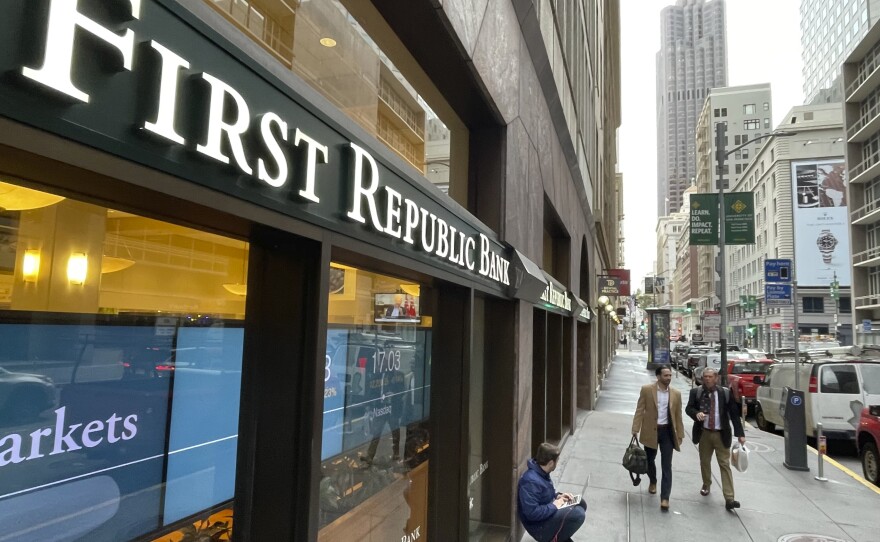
[
  {"x": 77, "y": 268},
  {"x": 603, "y": 300},
  {"x": 30, "y": 265}
]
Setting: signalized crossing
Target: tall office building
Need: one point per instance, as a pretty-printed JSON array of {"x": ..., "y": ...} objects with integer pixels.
[
  {"x": 829, "y": 32},
  {"x": 692, "y": 59},
  {"x": 747, "y": 113}
]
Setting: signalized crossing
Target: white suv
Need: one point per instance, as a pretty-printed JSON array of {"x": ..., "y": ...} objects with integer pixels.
[{"x": 836, "y": 392}]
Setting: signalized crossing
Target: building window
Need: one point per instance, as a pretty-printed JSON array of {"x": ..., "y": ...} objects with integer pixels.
[
  {"x": 766, "y": 106},
  {"x": 723, "y": 111},
  {"x": 375, "y": 439},
  {"x": 751, "y": 124},
  {"x": 766, "y": 122},
  {"x": 814, "y": 305},
  {"x": 844, "y": 304},
  {"x": 717, "y": 112},
  {"x": 745, "y": 153},
  {"x": 104, "y": 317},
  {"x": 372, "y": 86},
  {"x": 749, "y": 109}
]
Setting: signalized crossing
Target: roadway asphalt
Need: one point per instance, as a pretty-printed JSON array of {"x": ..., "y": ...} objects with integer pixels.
[{"x": 778, "y": 505}]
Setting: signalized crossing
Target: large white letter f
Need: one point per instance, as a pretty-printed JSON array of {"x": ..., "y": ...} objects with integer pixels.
[{"x": 57, "y": 61}]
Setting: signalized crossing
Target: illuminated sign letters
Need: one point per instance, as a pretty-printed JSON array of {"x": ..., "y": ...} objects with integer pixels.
[{"x": 257, "y": 145}]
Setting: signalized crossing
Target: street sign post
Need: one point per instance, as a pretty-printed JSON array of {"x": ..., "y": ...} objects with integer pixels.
[
  {"x": 777, "y": 282},
  {"x": 777, "y": 271},
  {"x": 739, "y": 218},
  {"x": 704, "y": 219},
  {"x": 777, "y": 295},
  {"x": 711, "y": 326}
]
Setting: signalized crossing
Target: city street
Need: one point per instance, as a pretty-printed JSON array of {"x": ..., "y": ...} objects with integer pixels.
[{"x": 777, "y": 504}]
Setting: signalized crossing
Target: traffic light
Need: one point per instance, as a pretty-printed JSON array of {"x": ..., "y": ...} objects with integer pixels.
[
  {"x": 752, "y": 330},
  {"x": 688, "y": 308}
]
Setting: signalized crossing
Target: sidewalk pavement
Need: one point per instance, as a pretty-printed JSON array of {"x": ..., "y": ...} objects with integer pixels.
[{"x": 775, "y": 501}]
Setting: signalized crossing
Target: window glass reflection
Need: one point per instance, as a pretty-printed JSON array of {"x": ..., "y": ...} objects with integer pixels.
[
  {"x": 374, "y": 452},
  {"x": 120, "y": 369},
  {"x": 324, "y": 44}
]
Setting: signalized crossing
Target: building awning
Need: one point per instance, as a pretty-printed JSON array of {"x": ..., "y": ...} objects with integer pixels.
[
  {"x": 527, "y": 281},
  {"x": 580, "y": 309}
]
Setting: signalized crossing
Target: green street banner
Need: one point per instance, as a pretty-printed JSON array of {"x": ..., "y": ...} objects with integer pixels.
[
  {"x": 739, "y": 218},
  {"x": 704, "y": 219}
]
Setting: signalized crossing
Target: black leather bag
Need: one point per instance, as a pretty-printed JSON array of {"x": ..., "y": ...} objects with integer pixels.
[{"x": 635, "y": 460}]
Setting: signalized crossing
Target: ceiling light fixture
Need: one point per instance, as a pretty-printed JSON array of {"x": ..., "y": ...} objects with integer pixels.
[
  {"x": 19, "y": 198},
  {"x": 327, "y": 42},
  {"x": 239, "y": 288},
  {"x": 112, "y": 264}
]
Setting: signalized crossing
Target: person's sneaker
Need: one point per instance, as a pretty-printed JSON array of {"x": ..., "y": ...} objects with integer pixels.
[
  {"x": 652, "y": 488},
  {"x": 664, "y": 505},
  {"x": 730, "y": 505}
]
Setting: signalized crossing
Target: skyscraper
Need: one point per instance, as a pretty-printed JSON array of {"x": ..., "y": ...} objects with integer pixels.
[
  {"x": 692, "y": 59},
  {"x": 829, "y": 32}
]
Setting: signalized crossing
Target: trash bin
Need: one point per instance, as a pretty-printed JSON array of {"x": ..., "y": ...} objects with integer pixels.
[{"x": 795, "y": 430}]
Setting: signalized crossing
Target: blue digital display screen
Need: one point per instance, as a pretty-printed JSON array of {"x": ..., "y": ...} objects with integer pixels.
[
  {"x": 372, "y": 380},
  {"x": 85, "y": 430}
]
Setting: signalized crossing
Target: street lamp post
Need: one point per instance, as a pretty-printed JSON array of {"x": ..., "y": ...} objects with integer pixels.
[{"x": 721, "y": 155}]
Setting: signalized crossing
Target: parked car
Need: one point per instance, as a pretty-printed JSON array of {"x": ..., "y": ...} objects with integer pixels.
[
  {"x": 678, "y": 353},
  {"x": 868, "y": 439},
  {"x": 836, "y": 392},
  {"x": 757, "y": 354},
  {"x": 692, "y": 358},
  {"x": 24, "y": 396},
  {"x": 714, "y": 360},
  {"x": 741, "y": 375}
]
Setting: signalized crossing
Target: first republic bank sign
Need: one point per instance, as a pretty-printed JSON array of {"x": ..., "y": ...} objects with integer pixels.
[{"x": 211, "y": 119}]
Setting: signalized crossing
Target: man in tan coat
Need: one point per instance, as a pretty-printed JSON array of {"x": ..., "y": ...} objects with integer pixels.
[{"x": 658, "y": 422}]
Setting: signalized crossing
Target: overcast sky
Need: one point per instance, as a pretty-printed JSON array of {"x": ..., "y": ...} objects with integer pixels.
[{"x": 763, "y": 46}]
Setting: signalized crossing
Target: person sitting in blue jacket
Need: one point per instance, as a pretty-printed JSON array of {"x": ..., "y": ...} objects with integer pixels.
[{"x": 547, "y": 514}]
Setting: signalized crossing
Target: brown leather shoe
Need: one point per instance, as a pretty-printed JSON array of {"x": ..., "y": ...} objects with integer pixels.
[
  {"x": 652, "y": 489},
  {"x": 664, "y": 505},
  {"x": 704, "y": 490}
]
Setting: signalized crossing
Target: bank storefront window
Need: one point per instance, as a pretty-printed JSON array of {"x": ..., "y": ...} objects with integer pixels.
[
  {"x": 120, "y": 368},
  {"x": 374, "y": 453},
  {"x": 324, "y": 44}
]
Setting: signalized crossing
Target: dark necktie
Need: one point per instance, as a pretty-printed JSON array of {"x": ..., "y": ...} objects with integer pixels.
[{"x": 712, "y": 409}]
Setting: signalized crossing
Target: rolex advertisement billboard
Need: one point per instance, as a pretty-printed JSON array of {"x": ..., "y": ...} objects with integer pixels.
[{"x": 820, "y": 222}]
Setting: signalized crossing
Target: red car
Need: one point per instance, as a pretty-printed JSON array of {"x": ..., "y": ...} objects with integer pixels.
[
  {"x": 868, "y": 439},
  {"x": 741, "y": 378}
]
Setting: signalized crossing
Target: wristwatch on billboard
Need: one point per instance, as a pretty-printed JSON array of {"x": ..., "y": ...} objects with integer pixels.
[{"x": 826, "y": 243}]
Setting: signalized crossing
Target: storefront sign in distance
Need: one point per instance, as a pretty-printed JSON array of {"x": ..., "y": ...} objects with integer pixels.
[{"x": 609, "y": 285}]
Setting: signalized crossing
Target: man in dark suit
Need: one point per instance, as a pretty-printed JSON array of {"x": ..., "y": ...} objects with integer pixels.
[{"x": 713, "y": 408}]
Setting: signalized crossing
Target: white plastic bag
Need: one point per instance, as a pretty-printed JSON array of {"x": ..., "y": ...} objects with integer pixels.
[{"x": 739, "y": 457}]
